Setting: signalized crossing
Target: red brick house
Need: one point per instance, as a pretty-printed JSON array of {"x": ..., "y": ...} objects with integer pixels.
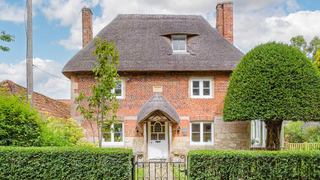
[{"x": 175, "y": 70}]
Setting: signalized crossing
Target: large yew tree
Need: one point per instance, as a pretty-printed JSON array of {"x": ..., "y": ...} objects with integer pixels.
[{"x": 273, "y": 82}]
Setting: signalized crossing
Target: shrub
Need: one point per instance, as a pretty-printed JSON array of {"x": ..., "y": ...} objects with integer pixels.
[
  {"x": 233, "y": 164},
  {"x": 313, "y": 134},
  {"x": 64, "y": 163},
  {"x": 60, "y": 132},
  {"x": 19, "y": 124},
  {"x": 294, "y": 133}
]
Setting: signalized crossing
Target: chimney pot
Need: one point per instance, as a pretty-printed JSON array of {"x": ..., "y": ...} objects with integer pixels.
[
  {"x": 87, "y": 31},
  {"x": 224, "y": 19}
]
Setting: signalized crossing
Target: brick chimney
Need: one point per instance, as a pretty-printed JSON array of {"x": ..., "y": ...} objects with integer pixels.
[
  {"x": 87, "y": 33},
  {"x": 224, "y": 23}
]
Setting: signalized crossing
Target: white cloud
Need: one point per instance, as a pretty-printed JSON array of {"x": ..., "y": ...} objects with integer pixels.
[
  {"x": 9, "y": 12},
  {"x": 44, "y": 83},
  {"x": 251, "y": 29},
  {"x": 66, "y": 11},
  {"x": 292, "y": 5}
]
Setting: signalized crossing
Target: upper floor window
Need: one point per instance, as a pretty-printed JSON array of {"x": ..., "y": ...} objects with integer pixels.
[
  {"x": 201, "y": 133},
  {"x": 119, "y": 90},
  {"x": 201, "y": 88},
  {"x": 179, "y": 43}
]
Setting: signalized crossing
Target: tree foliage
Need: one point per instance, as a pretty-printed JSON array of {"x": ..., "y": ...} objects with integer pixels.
[
  {"x": 7, "y": 38},
  {"x": 61, "y": 132},
  {"x": 296, "y": 132},
  {"x": 273, "y": 82},
  {"x": 317, "y": 58},
  {"x": 102, "y": 104},
  {"x": 19, "y": 125},
  {"x": 308, "y": 49}
]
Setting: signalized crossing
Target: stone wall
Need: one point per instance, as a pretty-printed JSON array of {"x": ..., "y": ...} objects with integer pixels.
[{"x": 231, "y": 135}]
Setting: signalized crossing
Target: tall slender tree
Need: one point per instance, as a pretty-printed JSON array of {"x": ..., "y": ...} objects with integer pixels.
[{"x": 101, "y": 105}]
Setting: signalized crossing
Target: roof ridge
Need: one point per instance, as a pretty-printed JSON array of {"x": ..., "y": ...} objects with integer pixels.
[{"x": 157, "y": 16}]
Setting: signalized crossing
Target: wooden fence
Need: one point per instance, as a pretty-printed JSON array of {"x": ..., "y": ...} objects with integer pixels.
[{"x": 302, "y": 146}]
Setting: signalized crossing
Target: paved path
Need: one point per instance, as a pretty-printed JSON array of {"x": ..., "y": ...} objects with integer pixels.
[{"x": 158, "y": 171}]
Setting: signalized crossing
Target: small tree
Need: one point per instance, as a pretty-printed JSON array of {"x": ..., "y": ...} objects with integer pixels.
[
  {"x": 308, "y": 49},
  {"x": 7, "y": 38},
  {"x": 273, "y": 82},
  {"x": 102, "y": 104}
]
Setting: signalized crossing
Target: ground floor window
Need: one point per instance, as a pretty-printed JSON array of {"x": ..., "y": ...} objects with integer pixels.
[
  {"x": 258, "y": 133},
  {"x": 113, "y": 134},
  {"x": 201, "y": 133}
]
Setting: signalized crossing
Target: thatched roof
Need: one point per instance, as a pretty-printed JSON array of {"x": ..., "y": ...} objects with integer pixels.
[
  {"x": 145, "y": 45},
  {"x": 158, "y": 103}
]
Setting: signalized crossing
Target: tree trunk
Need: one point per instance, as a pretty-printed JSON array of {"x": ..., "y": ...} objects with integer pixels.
[{"x": 273, "y": 135}]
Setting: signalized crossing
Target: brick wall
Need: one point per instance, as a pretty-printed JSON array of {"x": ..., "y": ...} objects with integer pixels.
[{"x": 175, "y": 85}]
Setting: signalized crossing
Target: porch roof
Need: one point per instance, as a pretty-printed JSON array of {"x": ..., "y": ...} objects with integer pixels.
[{"x": 158, "y": 102}]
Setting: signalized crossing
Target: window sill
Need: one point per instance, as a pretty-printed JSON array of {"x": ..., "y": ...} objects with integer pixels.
[
  {"x": 113, "y": 143},
  {"x": 201, "y": 144},
  {"x": 205, "y": 97},
  {"x": 173, "y": 53}
]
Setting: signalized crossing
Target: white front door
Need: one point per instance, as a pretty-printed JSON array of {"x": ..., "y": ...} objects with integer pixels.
[{"x": 157, "y": 140}]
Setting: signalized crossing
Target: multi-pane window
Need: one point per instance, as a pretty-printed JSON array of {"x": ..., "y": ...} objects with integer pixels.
[
  {"x": 201, "y": 133},
  {"x": 179, "y": 43},
  {"x": 201, "y": 88},
  {"x": 258, "y": 133},
  {"x": 118, "y": 90},
  {"x": 158, "y": 131},
  {"x": 113, "y": 133}
]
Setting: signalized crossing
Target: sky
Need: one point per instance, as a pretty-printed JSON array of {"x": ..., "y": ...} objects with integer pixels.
[{"x": 57, "y": 35}]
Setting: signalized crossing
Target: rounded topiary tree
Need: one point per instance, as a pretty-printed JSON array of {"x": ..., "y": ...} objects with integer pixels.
[{"x": 273, "y": 82}]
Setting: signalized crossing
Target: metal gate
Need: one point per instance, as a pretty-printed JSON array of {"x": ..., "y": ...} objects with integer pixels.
[{"x": 160, "y": 170}]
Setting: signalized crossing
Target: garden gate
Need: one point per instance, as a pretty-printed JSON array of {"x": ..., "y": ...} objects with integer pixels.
[{"x": 160, "y": 170}]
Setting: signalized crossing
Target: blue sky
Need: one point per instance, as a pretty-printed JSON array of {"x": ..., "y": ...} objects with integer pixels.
[{"x": 57, "y": 29}]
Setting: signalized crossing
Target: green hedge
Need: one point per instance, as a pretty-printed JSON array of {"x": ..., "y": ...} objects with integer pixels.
[
  {"x": 64, "y": 163},
  {"x": 233, "y": 164}
]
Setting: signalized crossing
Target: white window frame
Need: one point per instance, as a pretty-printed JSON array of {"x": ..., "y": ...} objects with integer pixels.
[
  {"x": 258, "y": 130},
  {"x": 201, "y": 88},
  {"x": 112, "y": 136},
  {"x": 179, "y": 36},
  {"x": 122, "y": 90},
  {"x": 201, "y": 133}
]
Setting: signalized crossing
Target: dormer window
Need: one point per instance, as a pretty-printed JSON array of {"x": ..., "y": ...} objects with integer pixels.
[{"x": 179, "y": 43}]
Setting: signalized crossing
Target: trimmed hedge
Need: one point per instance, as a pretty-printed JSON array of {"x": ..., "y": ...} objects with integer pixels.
[
  {"x": 64, "y": 163},
  {"x": 235, "y": 164}
]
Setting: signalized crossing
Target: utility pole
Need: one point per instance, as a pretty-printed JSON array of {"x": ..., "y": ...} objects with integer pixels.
[{"x": 29, "y": 54}]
